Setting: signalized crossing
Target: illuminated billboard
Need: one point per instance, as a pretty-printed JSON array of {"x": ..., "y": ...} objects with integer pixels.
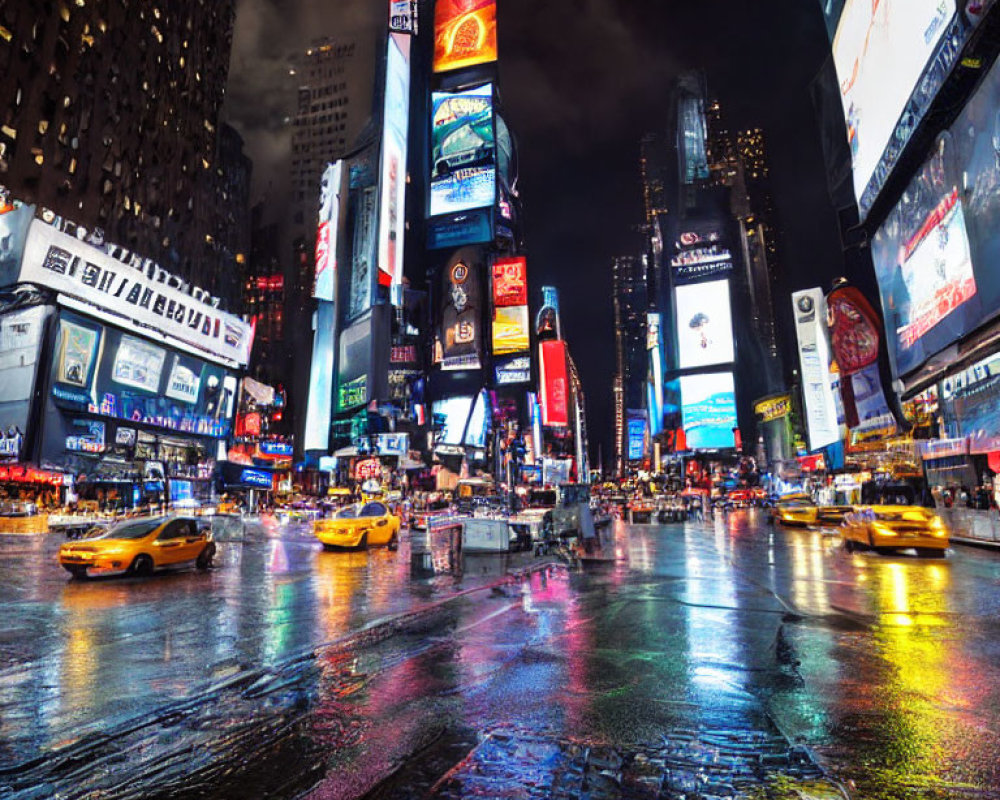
[
  {"x": 554, "y": 381},
  {"x": 392, "y": 213},
  {"x": 635, "y": 428},
  {"x": 461, "y": 306},
  {"x": 463, "y": 151},
  {"x": 923, "y": 263},
  {"x": 354, "y": 363},
  {"x": 510, "y": 330},
  {"x": 450, "y": 417},
  {"x": 880, "y": 51},
  {"x": 465, "y": 33},
  {"x": 708, "y": 410},
  {"x": 319, "y": 405},
  {"x": 326, "y": 233},
  {"x": 809, "y": 308},
  {"x": 510, "y": 282},
  {"x": 704, "y": 324}
]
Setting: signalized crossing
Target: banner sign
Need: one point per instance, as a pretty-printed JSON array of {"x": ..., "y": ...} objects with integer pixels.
[
  {"x": 512, "y": 370},
  {"x": 809, "y": 308},
  {"x": 326, "y": 235},
  {"x": 61, "y": 262},
  {"x": 402, "y": 16},
  {"x": 460, "y": 313},
  {"x": 396, "y": 111},
  {"x": 510, "y": 330},
  {"x": 510, "y": 282},
  {"x": 554, "y": 383},
  {"x": 772, "y": 408}
]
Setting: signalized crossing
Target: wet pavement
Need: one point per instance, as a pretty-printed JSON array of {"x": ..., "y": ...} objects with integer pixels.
[{"x": 718, "y": 659}]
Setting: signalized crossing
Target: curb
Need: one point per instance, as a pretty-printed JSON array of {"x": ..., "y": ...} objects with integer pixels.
[{"x": 982, "y": 544}]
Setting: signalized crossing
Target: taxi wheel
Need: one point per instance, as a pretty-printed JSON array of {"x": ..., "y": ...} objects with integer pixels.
[
  {"x": 363, "y": 542},
  {"x": 142, "y": 565},
  {"x": 393, "y": 542},
  {"x": 80, "y": 573},
  {"x": 930, "y": 552},
  {"x": 849, "y": 545},
  {"x": 205, "y": 556}
]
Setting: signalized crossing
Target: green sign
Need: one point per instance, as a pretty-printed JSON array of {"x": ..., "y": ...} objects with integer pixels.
[{"x": 353, "y": 393}]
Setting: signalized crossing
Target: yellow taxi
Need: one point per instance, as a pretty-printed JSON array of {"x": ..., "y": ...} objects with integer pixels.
[
  {"x": 888, "y": 528},
  {"x": 795, "y": 509},
  {"x": 358, "y": 526},
  {"x": 140, "y": 546}
]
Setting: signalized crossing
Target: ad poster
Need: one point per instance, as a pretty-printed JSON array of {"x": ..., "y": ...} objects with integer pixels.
[
  {"x": 923, "y": 263},
  {"x": 354, "y": 364},
  {"x": 554, "y": 381},
  {"x": 510, "y": 282},
  {"x": 880, "y": 51},
  {"x": 20, "y": 347},
  {"x": 636, "y": 432},
  {"x": 138, "y": 364},
  {"x": 704, "y": 324},
  {"x": 326, "y": 234},
  {"x": 510, "y": 330},
  {"x": 360, "y": 288},
  {"x": 184, "y": 381},
  {"x": 394, "y": 143},
  {"x": 708, "y": 409},
  {"x": 463, "y": 151},
  {"x": 465, "y": 33},
  {"x": 809, "y": 308},
  {"x": 450, "y": 418},
  {"x": 461, "y": 310},
  {"x": 78, "y": 346},
  {"x": 320, "y": 400}
]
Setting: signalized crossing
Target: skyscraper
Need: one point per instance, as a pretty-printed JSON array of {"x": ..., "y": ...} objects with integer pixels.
[
  {"x": 136, "y": 151},
  {"x": 630, "y": 297}
]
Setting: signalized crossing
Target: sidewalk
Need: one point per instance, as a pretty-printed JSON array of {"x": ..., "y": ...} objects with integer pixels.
[{"x": 972, "y": 527}]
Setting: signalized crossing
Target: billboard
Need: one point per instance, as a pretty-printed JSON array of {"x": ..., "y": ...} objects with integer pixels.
[
  {"x": 635, "y": 431},
  {"x": 14, "y": 224},
  {"x": 554, "y": 380},
  {"x": 708, "y": 410},
  {"x": 359, "y": 298},
  {"x": 809, "y": 309},
  {"x": 450, "y": 417},
  {"x": 548, "y": 321},
  {"x": 319, "y": 405},
  {"x": 326, "y": 233},
  {"x": 475, "y": 432},
  {"x": 463, "y": 151},
  {"x": 396, "y": 112},
  {"x": 692, "y": 129},
  {"x": 63, "y": 263},
  {"x": 880, "y": 51},
  {"x": 510, "y": 282},
  {"x": 465, "y": 33},
  {"x": 461, "y": 312},
  {"x": 105, "y": 372},
  {"x": 510, "y": 330},
  {"x": 403, "y": 16},
  {"x": 354, "y": 362},
  {"x": 704, "y": 324},
  {"x": 923, "y": 263},
  {"x": 771, "y": 408},
  {"x": 512, "y": 370}
]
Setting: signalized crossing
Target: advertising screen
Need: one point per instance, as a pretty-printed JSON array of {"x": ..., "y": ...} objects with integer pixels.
[
  {"x": 359, "y": 288},
  {"x": 704, "y": 324},
  {"x": 510, "y": 330},
  {"x": 475, "y": 434},
  {"x": 100, "y": 370},
  {"x": 326, "y": 233},
  {"x": 460, "y": 312},
  {"x": 554, "y": 383},
  {"x": 510, "y": 282},
  {"x": 393, "y": 183},
  {"x": 14, "y": 225},
  {"x": 450, "y": 417},
  {"x": 512, "y": 370},
  {"x": 693, "y": 131},
  {"x": 880, "y": 51},
  {"x": 354, "y": 364},
  {"x": 636, "y": 433},
  {"x": 319, "y": 404},
  {"x": 809, "y": 308},
  {"x": 463, "y": 151},
  {"x": 465, "y": 33},
  {"x": 708, "y": 408},
  {"x": 923, "y": 263},
  {"x": 20, "y": 348}
]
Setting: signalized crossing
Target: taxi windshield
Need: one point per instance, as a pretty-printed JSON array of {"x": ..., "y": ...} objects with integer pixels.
[
  {"x": 348, "y": 512},
  {"x": 131, "y": 529}
]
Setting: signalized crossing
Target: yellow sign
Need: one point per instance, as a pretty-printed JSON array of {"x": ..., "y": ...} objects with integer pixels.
[
  {"x": 510, "y": 330},
  {"x": 772, "y": 408}
]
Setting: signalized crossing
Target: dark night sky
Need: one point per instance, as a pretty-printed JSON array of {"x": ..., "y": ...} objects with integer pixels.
[{"x": 580, "y": 82}]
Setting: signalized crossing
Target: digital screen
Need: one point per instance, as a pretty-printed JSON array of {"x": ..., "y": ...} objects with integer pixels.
[
  {"x": 319, "y": 404},
  {"x": 708, "y": 408},
  {"x": 510, "y": 330},
  {"x": 450, "y": 417},
  {"x": 108, "y": 373},
  {"x": 554, "y": 383},
  {"x": 465, "y": 33},
  {"x": 394, "y": 142},
  {"x": 20, "y": 349},
  {"x": 354, "y": 364},
  {"x": 880, "y": 50},
  {"x": 923, "y": 263},
  {"x": 693, "y": 131},
  {"x": 475, "y": 436},
  {"x": 463, "y": 151},
  {"x": 326, "y": 233},
  {"x": 704, "y": 324},
  {"x": 636, "y": 432},
  {"x": 809, "y": 308},
  {"x": 510, "y": 282}
]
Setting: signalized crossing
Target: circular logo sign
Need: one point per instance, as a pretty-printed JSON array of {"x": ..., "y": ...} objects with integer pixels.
[{"x": 459, "y": 273}]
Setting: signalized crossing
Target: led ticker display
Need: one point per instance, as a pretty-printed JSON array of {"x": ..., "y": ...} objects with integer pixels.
[
  {"x": 510, "y": 282},
  {"x": 704, "y": 324},
  {"x": 465, "y": 33},
  {"x": 463, "y": 151},
  {"x": 880, "y": 51},
  {"x": 708, "y": 410},
  {"x": 510, "y": 330},
  {"x": 923, "y": 263}
]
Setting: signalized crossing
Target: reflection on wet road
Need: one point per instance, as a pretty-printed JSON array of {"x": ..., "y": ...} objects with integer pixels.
[{"x": 729, "y": 642}]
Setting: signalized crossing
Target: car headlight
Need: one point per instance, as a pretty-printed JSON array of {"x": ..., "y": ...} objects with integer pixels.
[
  {"x": 937, "y": 527},
  {"x": 883, "y": 530}
]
